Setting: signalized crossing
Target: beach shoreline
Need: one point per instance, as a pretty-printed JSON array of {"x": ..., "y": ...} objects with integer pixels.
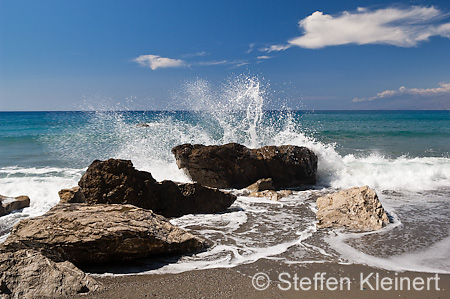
[{"x": 240, "y": 282}]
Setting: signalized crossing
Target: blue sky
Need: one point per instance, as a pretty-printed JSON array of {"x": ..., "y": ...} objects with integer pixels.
[{"x": 74, "y": 55}]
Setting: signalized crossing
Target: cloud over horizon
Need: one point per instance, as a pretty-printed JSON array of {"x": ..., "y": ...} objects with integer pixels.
[
  {"x": 155, "y": 62},
  {"x": 442, "y": 90},
  {"x": 401, "y": 27}
]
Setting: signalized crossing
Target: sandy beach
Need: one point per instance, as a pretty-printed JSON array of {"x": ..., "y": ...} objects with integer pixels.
[{"x": 237, "y": 283}]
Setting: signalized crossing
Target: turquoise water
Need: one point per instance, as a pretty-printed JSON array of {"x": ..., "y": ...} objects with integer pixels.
[
  {"x": 403, "y": 155},
  {"x": 74, "y": 139}
]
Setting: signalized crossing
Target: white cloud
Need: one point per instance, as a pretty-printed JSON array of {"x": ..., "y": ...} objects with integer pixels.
[
  {"x": 402, "y": 27},
  {"x": 275, "y": 48},
  {"x": 264, "y": 57},
  {"x": 155, "y": 62},
  {"x": 443, "y": 89}
]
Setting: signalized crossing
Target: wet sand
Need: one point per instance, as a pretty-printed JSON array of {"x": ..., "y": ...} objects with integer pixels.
[{"x": 237, "y": 283}]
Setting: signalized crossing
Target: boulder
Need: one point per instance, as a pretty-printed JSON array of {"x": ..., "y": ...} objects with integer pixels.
[
  {"x": 357, "y": 208},
  {"x": 235, "y": 166},
  {"x": 72, "y": 195},
  {"x": 9, "y": 204},
  {"x": 118, "y": 182},
  {"x": 261, "y": 185},
  {"x": 82, "y": 233},
  {"x": 26, "y": 273}
]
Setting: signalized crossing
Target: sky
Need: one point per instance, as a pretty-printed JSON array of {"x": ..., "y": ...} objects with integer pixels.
[{"x": 141, "y": 54}]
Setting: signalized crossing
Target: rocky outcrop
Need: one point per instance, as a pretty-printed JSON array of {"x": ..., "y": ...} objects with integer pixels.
[
  {"x": 72, "y": 195},
  {"x": 235, "y": 166},
  {"x": 261, "y": 185},
  {"x": 357, "y": 208},
  {"x": 9, "y": 204},
  {"x": 26, "y": 273},
  {"x": 118, "y": 182},
  {"x": 82, "y": 233}
]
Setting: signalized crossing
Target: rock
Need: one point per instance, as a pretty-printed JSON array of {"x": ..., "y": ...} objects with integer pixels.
[
  {"x": 9, "y": 204},
  {"x": 235, "y": 166},
  {"x": 82, "y": 233},
  {"x": 178, "y": 199},
  {"x": 273, "y": 195},
  {"x": 72, "y": 195},
  {"x": 118, "y": 182},
  {"x": 261, "y": 185},
  {"x": 27, "y": 273},
  {"x": 356, "y": 208}
]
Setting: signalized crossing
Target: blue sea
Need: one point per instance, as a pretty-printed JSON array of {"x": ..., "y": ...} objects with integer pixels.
[{"x": 403, "y": 155}]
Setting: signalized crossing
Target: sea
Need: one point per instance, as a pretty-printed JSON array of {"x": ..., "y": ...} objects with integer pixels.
[{"x": 403, "y": 155}]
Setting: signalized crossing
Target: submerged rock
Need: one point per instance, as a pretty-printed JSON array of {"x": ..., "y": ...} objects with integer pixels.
[
  {"x": 82, "y": 233},
  {"x": 357, "y": 208},
  {"x": 9, "y": 204},
  {"x": 235, "y": 166},
  {"x": 261, "y": 185},
  {"x": 117, "y": 182},
  {"x": 271, "y": 194},
  {"x": 26, "y": 273}
]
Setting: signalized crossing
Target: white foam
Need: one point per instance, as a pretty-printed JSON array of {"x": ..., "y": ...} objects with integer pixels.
[
  {"x": 403, "y": 173},
  {"x": 41, "y": 185}
]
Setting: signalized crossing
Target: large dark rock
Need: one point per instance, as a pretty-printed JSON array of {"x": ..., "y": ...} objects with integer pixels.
[
  {"x": 9, "y": 204},
  {"x": 235, "y": 166},
  {"x": 83, "y": 233},
  {"x": 27, "y": 273},
  {"x": 118, "y": 182}
]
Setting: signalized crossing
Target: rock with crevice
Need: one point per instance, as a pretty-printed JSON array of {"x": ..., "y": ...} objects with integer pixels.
[
  {"x": 83, "y": 233},
  {"x": 357, "y": 209},
  {"x": 27, "y": 273},
  {"x": 9, "y": 204},
  {"x": 235, "y": 166}
]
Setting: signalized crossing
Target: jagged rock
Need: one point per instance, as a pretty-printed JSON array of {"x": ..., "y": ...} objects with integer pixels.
[
  {"x": 117, "y": 181},
  {"x": 82, "y": 233},
  {"x": 261, "y": 185},
  {"x": 72, "y": 195},
  {"x": 273, "y": 195},
  {"x": 357, "y": 208},
  {"x": 9, "y": 204},
  {"x": 26, "y": 273},
  {"x": 235, "y": 166}
]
